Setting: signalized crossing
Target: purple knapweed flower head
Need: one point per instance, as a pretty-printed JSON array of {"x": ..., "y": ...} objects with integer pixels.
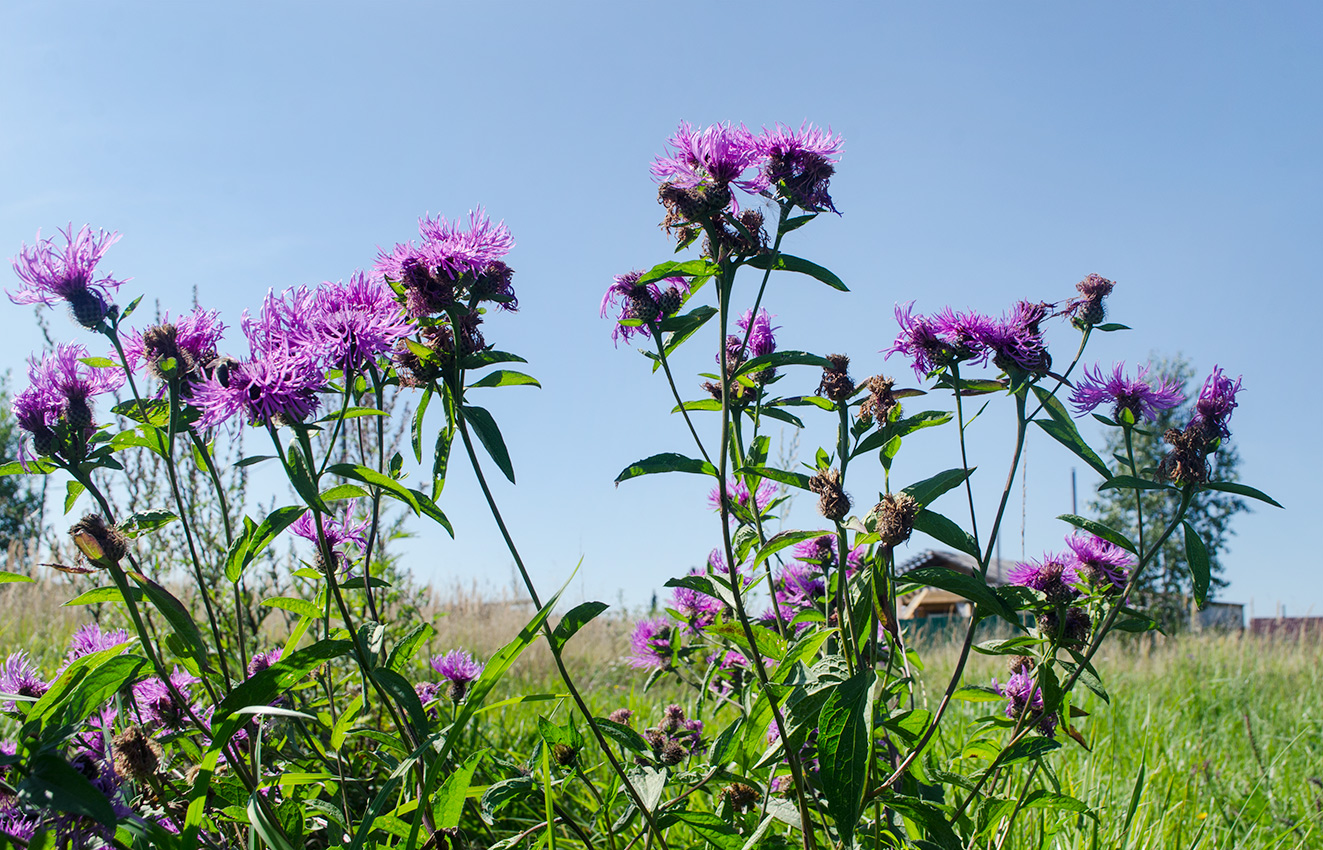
[
  {"x": 698, "y": 610},
  {"x": 1090, "y": 308},
  {"x": 452, "y": 263},
  {"x": 262, "y": 661},
  {"x": 427, "y": 691},
  {"x": 90, "y": 638},
  {"x": 920, "y": 339},
  {"x": 52, "y": 274},
  {"x": 459, "y": 669},
  {"x": 800, "y": 163},
  {"x": 340, "y": 532},
  {"x": 762, "y": 336},
  {"x": 720, "y": 155},
  {"x": 348, "y": 324},
  {"x": 646, "y": 303},
  {"x": 190, "y": 340},
  {"x": 799, "y": 586},
  {"x": 1017, "y": 340},
  {"x": 156, "y": 705},
  {"x": 650, "y": 644},
  {"x": 738, "y": 494},
  {"x": 1024, "y": 699},
  {"x": 20, "y": 677},
  {"x": 1102, "y": 563},
  {"x": 18, "y": 823},
  {"x": 821, "y": 552},
  {"x": 1053, "y": 576},
  {"x": 965, "y": 333},
  {"x": 62, "y": 388},
  {"x": 1139, "y": 395},
  {"x": 1217, "y": 399}
]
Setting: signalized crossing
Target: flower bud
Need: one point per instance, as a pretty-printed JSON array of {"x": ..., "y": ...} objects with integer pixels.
[{"x": 97, "y": 541}]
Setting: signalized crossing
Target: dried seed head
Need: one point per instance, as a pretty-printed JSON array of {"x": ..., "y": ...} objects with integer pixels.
[
  {"x": 893, "y": 518},
  {"x": 742, "y": 797},
  {"x": 832, "y": 501},
  {"x": 621, "y": 716},
  {"x": 672, "y": 753},
  {"x": 1187, "y": 462},
  {"x": 136, "y": 755},
  {"x": 1021, "y": 664},
  {"x": 97, "y": 541},
  {"x": 836, "y": 384},
  {"x": 672, "y": 717},
  {"x": 880, "y": 401}
]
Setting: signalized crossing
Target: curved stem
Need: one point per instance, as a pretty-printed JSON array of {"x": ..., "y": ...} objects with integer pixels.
[
  {"x": 661, "y": 354},
  {"x": 964, "y": 457}
]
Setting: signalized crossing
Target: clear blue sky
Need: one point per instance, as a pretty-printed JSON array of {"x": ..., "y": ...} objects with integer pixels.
[{"x": 993, "y": 152}]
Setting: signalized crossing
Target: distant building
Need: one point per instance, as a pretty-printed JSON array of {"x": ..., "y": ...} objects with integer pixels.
[
  {"x": 935, "y": 602},
  {"x": 1293, "y": 627}
]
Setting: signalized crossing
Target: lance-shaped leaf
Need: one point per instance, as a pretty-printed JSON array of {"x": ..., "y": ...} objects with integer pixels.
[
  {"x": 970, "y": 587},
  {"x": 1241, "y": 490},
  {"x": 666, "y": 462},
  {"x": 1200, "y": 570},
  {"x": 845, "y": 734},
  {"x": 781, "y": 358},
  {"x": 790, "y": 263},
  {"x": 1099, "y": 530},
  {"x": 925, "y": 492},
  {"x": 578, "y": 617},
  {"x": 946, "y": 531},
  {"x": 490, "y": 437},
  {"x": 781, "y": 476}
]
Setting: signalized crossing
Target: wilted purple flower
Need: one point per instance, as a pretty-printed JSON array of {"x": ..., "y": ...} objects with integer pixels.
[
  {"x": 1137, "y": 395},
  {"x": 718, "y": 155},
  {"x": 920, "y": 340},
  {"x": 1053, "y": 576},
  {"x": 646, "y": 302},
  {"x": 458, "y": 668},
  {"x": 1102, "y": 563},
  {"x": 698, "y": 609},
  {"x": 157, "y": 705},
  {"x": 1216, "y": 401},
  {"x": 1024, "y": 699},
  {"x": 90, "y": 638},
  {"x": 1017, "y": 340},
  {"x": 51, "y": 275},
  {"x": 651, "y": 644},
  {"x": 20, "y": 677},
  {"x": 194, "y": 338},
  {"x": 340, "y": 531},
  {"x": 262, "y": 661},
  {"x": 801, "y": 162},
  {"x": 738, "y": 493}
]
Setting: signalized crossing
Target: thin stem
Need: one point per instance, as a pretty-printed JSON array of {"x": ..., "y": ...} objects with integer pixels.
[
  {"x": 964, "y": 457},
  {"x": 670, "y": 379}
]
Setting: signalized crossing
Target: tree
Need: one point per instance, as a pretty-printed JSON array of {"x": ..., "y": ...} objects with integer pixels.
[{"x": 1164, "y": 589}]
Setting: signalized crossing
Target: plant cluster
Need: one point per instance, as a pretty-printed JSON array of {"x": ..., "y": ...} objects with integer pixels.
[{"x": 182, "y": 730}]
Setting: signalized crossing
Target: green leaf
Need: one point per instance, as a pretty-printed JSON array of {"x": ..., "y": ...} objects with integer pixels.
[
  {"x": 623, "y": 735},
  {"x": 99, "y": 362},
  {"x": 970, "y": 587},
  {"x": 1111, "y": 326},
  {"x": 441, "y": 458},
  {"x": 781, "y": 476},
  {"x": 1200, "y": 570},
  {"x": 407, "y": 647},
  {"x": 263, "y": 687},
  {"x": 99, "y": 595},
  {"x": 707, "y": 826},
  {"x": 370, "y": 476},
  {"x": 1027, "y": 749},
  {"x": 72, "y": 490},
  {"x": 666, "y": 462},
  {"x": 1130, "y": 482},
  {"x": 845, "y": 750},
  {"x": 1041, "y": 798},
  {"x": 352, "y": 413},
  {"x": 770, "y": 644},
  {"x": 144, "y": 522},
  {"x": 680, "y": 328},
  {"x": 6, "y": 578},
  {"x": 272, "y": 835},
  {"x": 1069, "y": 436},
  {"x": 1135, "y": 795},
  {"x": 295, "y": 605},
  {"x": 249, "y": 461},
  {"x": 178, "y": 616},
  {"x": 448, "y": 805},
  {"x": 500, "y": 793},
  {"x": 505, "y": 378},
  {"x": 416, "y": 425},
  {"x": 340, "y": 492},
  {"x": 925, "y": 492},
  {"x": 300, "y": 475},
  {"x": 256, "y": 538},
  {"x": 577, "y": 618},
  {"x": 490, "y": 437},
  {"x": 1241, "y": 490},
  {"x": 690, "y": 268},
  {"x": 977, "y": 693},
  {"x": 405, "y": 696},
  {"x": 1099, "y": 530},
  {"x": 790, "y": 263},
  {"x": 479, "y": 359},
  {"x": 34, "y": 467},
  {"x": 945, "y": 531},
  {"x": 52, "y": 783},
  {"x": 99, "y": 686},
  {"x": 783, "y": 540},
  {"x": 796, "y": 222},
  {"x": 781, "y": 358}
]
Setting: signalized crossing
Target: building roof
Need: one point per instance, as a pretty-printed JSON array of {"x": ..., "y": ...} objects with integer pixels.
[{"x": 959, "y": 561}]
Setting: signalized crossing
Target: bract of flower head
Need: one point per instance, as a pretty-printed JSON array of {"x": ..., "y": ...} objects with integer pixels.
[
  {"x": 1103, "y": 563},
  {"x": 346, "y": 324},
  {"x": 650, "y": 644},
  {"x": 21, "y": 677},
  {"x": 1217, "y": 399},
  {"x": 195, "y": 335},
  {"x": 1138, "y": 395},
  {"x": 647, "y": 302},
  {"x": 801, "y": 163},
  {"x": 52, "y": 274},
  {"x": 719, "y": 155},
  {"x": 920, "y": 340},
  {"x": 1053, "y": 575},
  {"x": 457, "y": 666}
]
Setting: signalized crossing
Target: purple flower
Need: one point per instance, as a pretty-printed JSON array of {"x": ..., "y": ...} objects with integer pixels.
[
  {"x": 51, "y": 275},
  {"x": 1017, "y": 340},
  {"x": 61, "y": 389},
  {"x": 719, "y": 155},
  {"x": 920, "y": 339},
  {"x": 20, "y": 677},
  {"x": 1024, "y": 699},
  {"x": 651, "y": 644},
  {"x": 738, "y": 493},
  {"x": 762, "y": 337},
  {"x": 1103, "y": 563},
  {"x": 800, "y": 586},
  {"x": 195, "y": 335},
  {"x": 965, "y": 333},
  {"x": 451, "y": 262},
  {"x": 1052, "y": 576},
  {"x": 340, "y": 531},
  {"x": 89, "y": 639},
  {"x": 457, "y": 666},
  {"x": 821, "y": 552},
  {"x": 262, "y": 661},
  {"x": 1137, "y": 395},
  {"x": 801, "y": 163},
  {"x": 697, "y": 609},
  {"x": 156, "y": 704},
  {"x": 346, "y": 324},
  {"x": 646, "y": 302},
  {"x": 1216, "y": 401},
  {"x": 427, "y": 691}
]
